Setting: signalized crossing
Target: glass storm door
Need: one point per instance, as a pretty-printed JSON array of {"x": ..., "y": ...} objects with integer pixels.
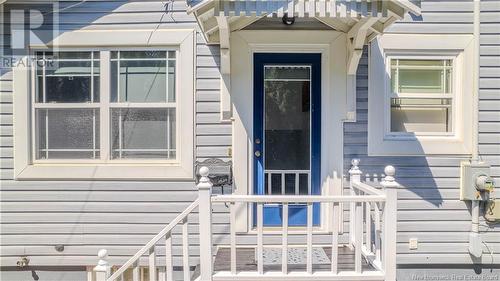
[{"x": 287, "y": 136}]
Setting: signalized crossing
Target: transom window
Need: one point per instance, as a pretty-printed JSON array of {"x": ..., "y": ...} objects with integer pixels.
[
  {"x": 421, "y": 96},
  {"x": 127, "y": 112}
]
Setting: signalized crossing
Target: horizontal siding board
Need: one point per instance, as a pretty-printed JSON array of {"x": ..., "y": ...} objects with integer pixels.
[
  {"x": 5, "y": 85},
  {"x": 81, "y": 217},
  {"x": 6, "y": 119},
  {"x": 223, "y": 129},
  {"x": 214, "y": 140},
  {"x": 6, "y": 130},
  {"x": 208, "y": 118},
  {"x": 7, "y": 163},
  {"x": 218, "y": 151},
  {"x": 208, "y": 84},
  {"x": 6, "y": 97},
  {"x": 100, "y": 196},
  {"x": 7, "y": 141},
  {"x": 6, "y": 108},
  {"x": 207, "y": 95},
  {"x": 6, "y": 174},
  {"x": 6, "y": 152},
  {"x": 207, "y": 72},
  {"x": 430, "y": 28},
  {"x": 98, "y": 186}
]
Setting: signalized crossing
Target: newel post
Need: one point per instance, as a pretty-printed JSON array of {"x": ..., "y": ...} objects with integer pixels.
[
  {"x": 103, "y": 269},
  {"x": 390, "y": 223},
  {"x": 354, "y": 176},
  {"x": 205, "y": 213}
]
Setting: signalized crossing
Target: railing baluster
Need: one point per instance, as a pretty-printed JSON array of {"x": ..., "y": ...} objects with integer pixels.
[
  {"x": 377, "y": 231},
  {"x": 260, "y": 226},
  {"x": 358, "y": 239},
  {"x": 161, "y": 274},
  {"x": 185, "y": 250},
  {"x": 122, "y": 278},
  {"x": 309, "y": 236},
  {"x": 232, "y": 226},
  {"x": 136, "y": 272},
  {"x": 169, "y": 268},
  {"x": 269, "y": 186},
  {"x": 283, "y": 183},
  {"x": 368, "y": 226},
  {"x": 309, "y": 183},
  {"x": 284, "y": 252},
  {"x": 297, "y": 176},
  {"x": 335, "y": 237},
  {"x": 152, "y": 264}
]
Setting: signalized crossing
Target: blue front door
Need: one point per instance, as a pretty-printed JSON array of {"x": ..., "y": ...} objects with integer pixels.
[{"x": 287, "y": 132}]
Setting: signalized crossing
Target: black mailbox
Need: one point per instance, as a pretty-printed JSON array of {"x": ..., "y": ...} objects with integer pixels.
[{"x": 220, "y": 174}]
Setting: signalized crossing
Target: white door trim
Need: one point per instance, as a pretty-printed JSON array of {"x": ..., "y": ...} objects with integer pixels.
[{"x": 332, "y": 46}]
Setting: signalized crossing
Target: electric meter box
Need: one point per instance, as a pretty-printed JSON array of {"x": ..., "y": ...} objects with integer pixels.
[{"x": 475, "y": 181}]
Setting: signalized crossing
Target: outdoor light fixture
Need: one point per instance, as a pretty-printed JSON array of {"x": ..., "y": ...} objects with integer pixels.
[{"x": 287, "y": 20}]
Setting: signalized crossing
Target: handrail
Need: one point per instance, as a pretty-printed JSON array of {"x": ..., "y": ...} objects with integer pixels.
[
  {"x": 367, "y": 188},
  {"x": 372, "y": 215},
  {"x": 298, "y": 198},
  {"x": 155, "y": 240}
]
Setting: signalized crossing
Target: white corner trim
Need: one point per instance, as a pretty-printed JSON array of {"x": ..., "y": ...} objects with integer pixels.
[
  {"x": 460, "y": 143},
  {"x": 25, "y": 169}
]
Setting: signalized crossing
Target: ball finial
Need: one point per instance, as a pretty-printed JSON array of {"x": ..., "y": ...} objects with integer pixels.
[
  {"x": 102, "y": 254},
  {"x": 204, "y": 171},
  {"x": 390, "y": 171},
  {"x": 355, "y": 162}
]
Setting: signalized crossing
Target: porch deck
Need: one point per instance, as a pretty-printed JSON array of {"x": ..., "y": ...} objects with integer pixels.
[{"x": 245, "y": 261}]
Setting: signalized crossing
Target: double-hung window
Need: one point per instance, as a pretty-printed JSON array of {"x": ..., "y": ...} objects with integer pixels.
[
  {"x": 90, "y": 107},
  {"x": 421, "y": 96},
  {"x": 141, "y": 106}
]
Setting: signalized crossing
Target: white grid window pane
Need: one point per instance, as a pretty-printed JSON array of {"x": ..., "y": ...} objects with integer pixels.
[
  {"x": 67, "y": 77},
  {"x": 142, "y": 76},
  {"x": 143, "y": 133},
  {"x": 421, "y": 76},
  {"x": 67, "y": 133}
]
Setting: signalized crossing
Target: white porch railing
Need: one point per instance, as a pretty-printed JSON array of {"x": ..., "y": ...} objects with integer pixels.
[{"x": 372, "y": 235}]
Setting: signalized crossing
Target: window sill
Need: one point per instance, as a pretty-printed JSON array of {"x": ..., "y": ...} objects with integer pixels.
[{"x": 106, "y": 172}]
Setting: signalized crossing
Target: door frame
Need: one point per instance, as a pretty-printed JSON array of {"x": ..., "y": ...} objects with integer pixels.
[
  {"x": 259, "y": 62},
  {"x": 334, "y": 85}
]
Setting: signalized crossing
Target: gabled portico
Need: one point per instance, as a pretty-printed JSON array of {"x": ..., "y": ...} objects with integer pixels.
[{"x": 360, "y": 20}]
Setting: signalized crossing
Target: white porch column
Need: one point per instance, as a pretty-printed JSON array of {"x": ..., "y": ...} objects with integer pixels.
[
  {"x": 103, "y": 269},
  {"x": 205, "y": 215},
  {"x": 390, "y": 224}
]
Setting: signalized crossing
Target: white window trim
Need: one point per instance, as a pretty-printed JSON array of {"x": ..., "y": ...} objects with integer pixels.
[
  {"x": 459, "y": 142},
  {"x": 25, "y": 168}
]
